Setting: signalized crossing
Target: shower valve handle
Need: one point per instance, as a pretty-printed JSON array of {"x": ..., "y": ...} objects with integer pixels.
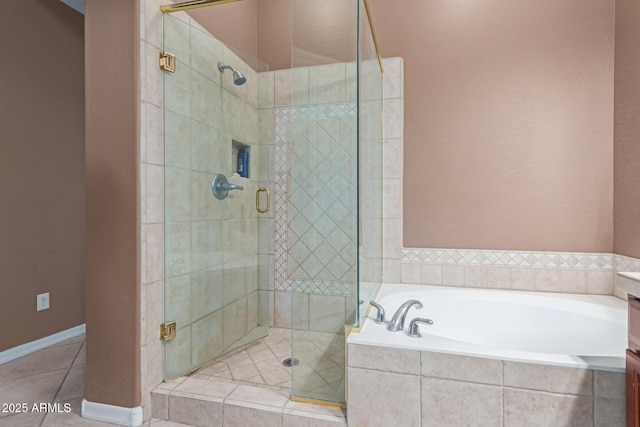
[{"x": 220, "y": 186}]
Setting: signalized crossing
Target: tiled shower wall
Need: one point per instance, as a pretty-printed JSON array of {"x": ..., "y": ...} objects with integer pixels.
[
  {"x": 211, "y": 245},
  {"x": 312, "y": 120},
  {"x": 571, "y": 272}
]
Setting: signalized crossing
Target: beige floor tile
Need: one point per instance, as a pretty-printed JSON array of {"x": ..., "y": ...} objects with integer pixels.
[
  {"x": 22, "y": 420},
  {"x": 45, "y": 360},
  {"x": 81, "y": 357},
  {"x": 33, "y": 389},
  {"x": 73, "y": 386}
]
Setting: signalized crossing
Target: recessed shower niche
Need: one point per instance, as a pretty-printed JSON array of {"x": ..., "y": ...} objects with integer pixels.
[{"x": 241, "y": 159}]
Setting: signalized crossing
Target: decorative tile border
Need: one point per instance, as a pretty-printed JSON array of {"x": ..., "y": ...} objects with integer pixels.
[
  {"x": 491, "y": 258},
  {"x": 282, "y": 179}
]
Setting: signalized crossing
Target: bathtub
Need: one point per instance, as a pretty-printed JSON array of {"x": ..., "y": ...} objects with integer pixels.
[
  {"x": 573, "y": 330},
  {"x": 491, "y": 358}
]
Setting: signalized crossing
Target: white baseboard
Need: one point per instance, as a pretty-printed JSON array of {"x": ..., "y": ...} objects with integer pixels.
[
  {"x": 33, "y": 346},
  {"x": 131, "y": 417}
]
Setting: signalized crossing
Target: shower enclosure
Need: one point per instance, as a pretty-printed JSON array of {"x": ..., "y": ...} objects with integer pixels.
[{"x": 273, "y": 198}]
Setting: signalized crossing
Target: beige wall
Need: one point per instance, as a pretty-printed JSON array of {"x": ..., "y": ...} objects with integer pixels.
[
  {"x": 509, "y": 119},
  {"x": 508, "y": 122},
  {"x": 235, "y": 24},
  {"x": 42, "y": 185},
  {"x": 112, "y": 51},
  {"x": 627, "y": 130}
]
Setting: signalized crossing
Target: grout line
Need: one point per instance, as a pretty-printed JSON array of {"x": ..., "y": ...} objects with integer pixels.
[{"x": 64, "y": 379}]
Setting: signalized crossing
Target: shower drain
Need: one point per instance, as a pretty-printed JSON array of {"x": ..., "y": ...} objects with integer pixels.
[{"x": 291, "y": 361}]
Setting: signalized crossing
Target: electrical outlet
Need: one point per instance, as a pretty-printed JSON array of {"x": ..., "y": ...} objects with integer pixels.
[{"x": 42, "y": 302}]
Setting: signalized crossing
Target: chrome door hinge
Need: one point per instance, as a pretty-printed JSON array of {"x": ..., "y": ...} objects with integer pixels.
[
  {"x": 168, "y": 331},
  {"x": 167, "y": 62}
]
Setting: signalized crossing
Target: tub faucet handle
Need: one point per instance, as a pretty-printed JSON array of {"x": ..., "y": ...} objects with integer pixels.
[
  {"x": 380, "y": 314},
  {"x": 414, "y": 330}
]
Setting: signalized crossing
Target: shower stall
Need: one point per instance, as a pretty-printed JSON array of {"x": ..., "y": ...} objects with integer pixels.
[{"x": 273, "y": 198}]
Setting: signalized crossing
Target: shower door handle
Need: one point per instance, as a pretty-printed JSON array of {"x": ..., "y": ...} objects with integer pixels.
[{"x": 263, "y": 190}]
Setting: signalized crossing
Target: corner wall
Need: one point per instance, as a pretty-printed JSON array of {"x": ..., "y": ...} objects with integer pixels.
[
  {"x": 42, "y": 178},
  {"x": 113, "y": 213},
  {"x": 626, "y": 185}
]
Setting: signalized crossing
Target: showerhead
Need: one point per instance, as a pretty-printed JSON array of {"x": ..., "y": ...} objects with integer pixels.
[{"x": 238, "y": 78}]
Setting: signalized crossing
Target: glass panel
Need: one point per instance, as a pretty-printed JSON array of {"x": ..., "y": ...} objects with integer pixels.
[
  {"x": 322, "y": 209},
  {"x": 216, "y": 251},
  {"x": 370, "y": 151}
]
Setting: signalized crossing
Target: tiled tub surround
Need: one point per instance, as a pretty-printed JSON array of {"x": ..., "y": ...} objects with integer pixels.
[
  {"x": 569, "y": 272},
  {"x": 440, "y": 382},
  {"x": 393, "y": 386}
]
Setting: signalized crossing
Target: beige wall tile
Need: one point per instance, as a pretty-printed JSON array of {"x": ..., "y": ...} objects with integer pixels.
[
  {"x": 611, "y": 385},
  {"x": 522, "y": 407},
  {"x": 475, "y": 276},
  {"x": 462, "y": 368},
  {"x": 326, "y": 313},
  {"x": 160, "y": 405},
  {"x": 327, "y": 84},
  {"x": 393, "y": 111},
  {"x": 206, "y": 52},
  {"x": 235, "y": 321},
  {"x": 177, "y": 140},
  {"x": 548, "y": 279},
  {"x": 392, "y": 159},
  {"x": 599, "y": 282},
  {"x": 431, "y": 274},
  {"x": 282, "y": 310},
  {"x": 392, "y": 238},
  {"x": 177, "y": 39},
  {"x": 193, "y": 411},
  {"x": 154, "y": 194},
  {"x": 610, "y": 413},
  {"x": 392, "y": 199},
  {"x": 410, "y": 273},
  {"x": 292, "y": 420},
  {"x": 456, "y": 403},
  {"x": 393, "y": 78},
  {"x": 384, "y": 408},
  {"x": 154, "y": 134},
  {"x": 154, "y": 316},
  {"x": 523, "y": 279},
  {"x": 573, "y": 281},
  {"x": 151, "y": 85},
  {"x": 499, "y": 277},
  {"x": 387, "y": 359},
  {"x": 557, "y": 379},
  {"x": 154, "y": 266},
  {"x": 238, "y": 416},
  {"x": 452, "y": 275},
  {"x": 206, "y": 338}
]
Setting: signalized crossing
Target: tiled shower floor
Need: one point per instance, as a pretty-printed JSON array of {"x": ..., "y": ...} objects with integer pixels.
[
  {"x": 252, "y": 387},
  {"x": 320, "y": 373}
]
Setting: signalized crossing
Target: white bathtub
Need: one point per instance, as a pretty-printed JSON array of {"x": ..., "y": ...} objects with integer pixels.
[{"x": 574, "y": 330}]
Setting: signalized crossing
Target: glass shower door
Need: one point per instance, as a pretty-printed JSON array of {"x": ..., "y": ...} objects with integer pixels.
[{"x": 216, "y": 251}]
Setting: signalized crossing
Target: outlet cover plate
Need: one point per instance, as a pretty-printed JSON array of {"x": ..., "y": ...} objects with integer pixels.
[{"x": 42, "y": 302}]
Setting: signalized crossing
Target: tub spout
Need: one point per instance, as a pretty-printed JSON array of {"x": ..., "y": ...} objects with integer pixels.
[{"x": 397, "y": 321}]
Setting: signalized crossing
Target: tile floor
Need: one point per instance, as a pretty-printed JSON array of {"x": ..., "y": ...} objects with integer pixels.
[
  {"x": 252, "y": 384},
  {"x": 51, "y": 375}
]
